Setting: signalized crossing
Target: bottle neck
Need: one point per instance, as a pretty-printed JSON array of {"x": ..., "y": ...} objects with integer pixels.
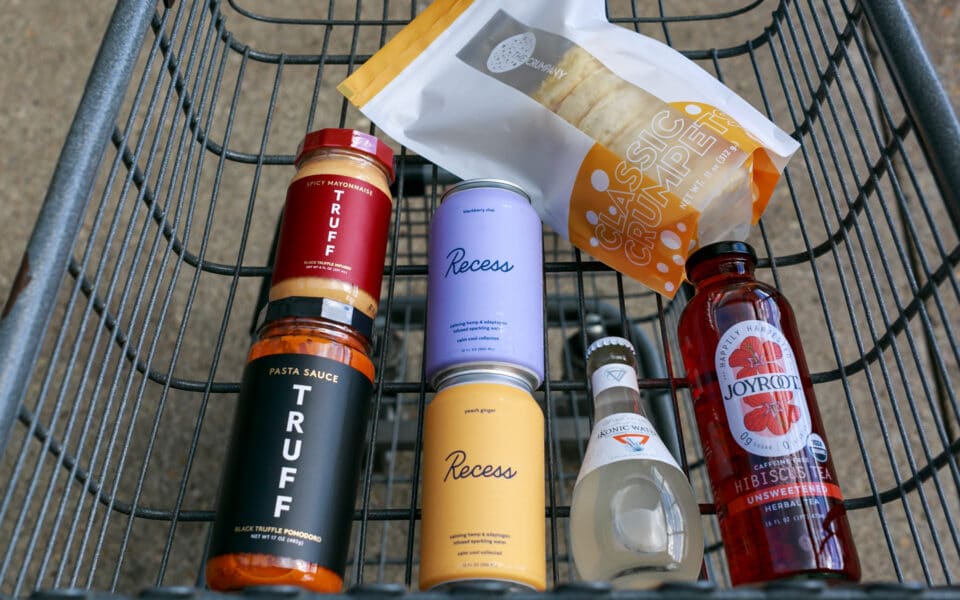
[
  {"x": 721, "y": 269},
  {"x": 314, "y": 326},
  {"x": 615, "y": 390},
  {"x": 616, "y": 400}
]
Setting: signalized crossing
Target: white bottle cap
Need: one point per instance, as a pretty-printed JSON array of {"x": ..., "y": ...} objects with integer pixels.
[{"x": 610, "y": 340}]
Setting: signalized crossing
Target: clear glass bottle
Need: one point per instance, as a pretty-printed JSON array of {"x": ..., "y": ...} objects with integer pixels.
[
  {"x": 634, "y": 519},
  {"x": 778, "y": 501}
]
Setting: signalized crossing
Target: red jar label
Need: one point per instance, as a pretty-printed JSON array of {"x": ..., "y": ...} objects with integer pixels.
[{"x": 334, "y": 227}]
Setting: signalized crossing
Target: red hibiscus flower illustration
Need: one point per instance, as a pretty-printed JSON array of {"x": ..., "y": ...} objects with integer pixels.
[
  {"x": 772, "y": 411},
  {"x": 755, "y": 356}
]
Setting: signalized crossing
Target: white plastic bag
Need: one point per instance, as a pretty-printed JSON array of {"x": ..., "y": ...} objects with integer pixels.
[{"x": 630, "y": 150}]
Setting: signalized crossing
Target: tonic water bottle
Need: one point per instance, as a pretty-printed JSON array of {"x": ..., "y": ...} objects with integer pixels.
[{"x": 634, "y": 520}]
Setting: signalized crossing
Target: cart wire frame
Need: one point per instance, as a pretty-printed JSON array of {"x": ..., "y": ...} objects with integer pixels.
[{"x": 124, "y": 334}]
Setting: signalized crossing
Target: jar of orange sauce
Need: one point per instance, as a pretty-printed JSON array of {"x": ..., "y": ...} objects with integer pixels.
[
  {"x": 333, "y": 235},
  {"x": 286, "y": 501}
]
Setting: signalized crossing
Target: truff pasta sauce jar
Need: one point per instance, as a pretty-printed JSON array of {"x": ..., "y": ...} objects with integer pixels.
[{"x": 286, "y": 500}]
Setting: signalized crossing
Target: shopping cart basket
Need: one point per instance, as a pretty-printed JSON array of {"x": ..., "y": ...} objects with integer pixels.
[{"x": 125, "y": 335}]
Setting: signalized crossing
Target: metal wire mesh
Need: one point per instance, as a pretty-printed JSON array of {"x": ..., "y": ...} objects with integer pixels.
[{"x": 111, "y": 473}]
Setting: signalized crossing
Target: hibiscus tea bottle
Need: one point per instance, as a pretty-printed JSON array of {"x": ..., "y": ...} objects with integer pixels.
[{"x": 778, "y": 500}]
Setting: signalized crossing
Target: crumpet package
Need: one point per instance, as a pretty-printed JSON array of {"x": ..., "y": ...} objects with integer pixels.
[{"x": 629, "y": 149}]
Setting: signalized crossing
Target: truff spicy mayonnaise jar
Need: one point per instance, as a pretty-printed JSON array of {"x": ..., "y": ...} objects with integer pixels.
[{"x": 333, "y": 235}]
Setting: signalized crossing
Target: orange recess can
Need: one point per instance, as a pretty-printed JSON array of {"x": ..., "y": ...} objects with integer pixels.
[{"x": 483, "y": 481}]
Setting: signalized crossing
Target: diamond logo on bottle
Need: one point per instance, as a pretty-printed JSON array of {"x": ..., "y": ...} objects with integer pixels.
[
  {"x": 761, "y": 388},
  {"x": 613, "y": 375},
  {"x": 616, "y": 374}
]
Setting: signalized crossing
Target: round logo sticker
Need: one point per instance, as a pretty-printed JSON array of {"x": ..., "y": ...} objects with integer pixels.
[
  {"x": 818, "y": 447},
  {"x": 761, "y": 388},
  {"x": 511, "y": 53}
]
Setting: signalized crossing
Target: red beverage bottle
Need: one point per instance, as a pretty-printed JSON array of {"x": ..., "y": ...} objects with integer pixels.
[{"x": 778, "y": 501}]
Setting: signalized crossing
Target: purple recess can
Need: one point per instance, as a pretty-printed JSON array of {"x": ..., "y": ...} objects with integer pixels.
[{"x": 485, "y": 294}]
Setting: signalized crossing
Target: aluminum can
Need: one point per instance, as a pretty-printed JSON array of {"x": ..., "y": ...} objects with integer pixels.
[
  {"x": 483, "y": 481},
  {"x": 485, "y": 294}
]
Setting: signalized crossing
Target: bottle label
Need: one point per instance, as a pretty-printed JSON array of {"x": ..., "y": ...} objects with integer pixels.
[
  {"x": 623, "y": 436},
  {"x": 613, "y": 375},
  {"x": 334, "y": 227},
  {"x": 761, "y": 388},
  {"x": 291, "y": 474}
]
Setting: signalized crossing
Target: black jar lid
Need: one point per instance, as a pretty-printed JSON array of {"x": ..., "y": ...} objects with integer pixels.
[
  {"x": 323, "y": 308},
  {"x": 719, "y": 249}
]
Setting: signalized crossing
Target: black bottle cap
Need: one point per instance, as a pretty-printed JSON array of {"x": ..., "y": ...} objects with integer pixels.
[{"x": 719, "y": 249}]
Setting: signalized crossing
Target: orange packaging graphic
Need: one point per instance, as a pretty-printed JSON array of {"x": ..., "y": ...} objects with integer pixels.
[
  {"x": 483, "y": 488},
  {"x": 627, "y": 148}
]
